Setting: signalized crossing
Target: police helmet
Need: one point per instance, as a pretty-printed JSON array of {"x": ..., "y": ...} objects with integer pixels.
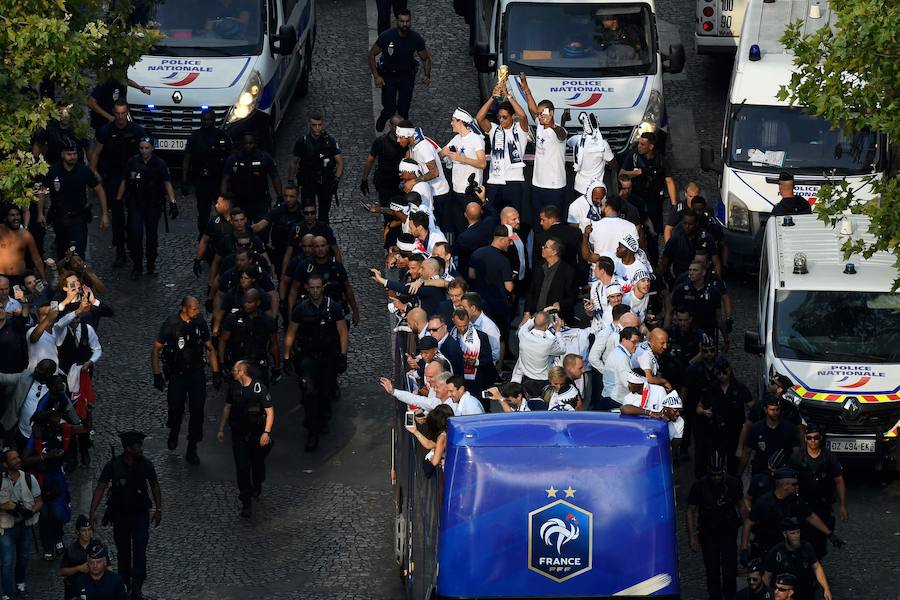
[{"x": 755, "y": 566}]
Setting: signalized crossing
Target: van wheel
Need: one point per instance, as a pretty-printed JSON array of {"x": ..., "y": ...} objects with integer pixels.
[{"x": 303, "y": 82}]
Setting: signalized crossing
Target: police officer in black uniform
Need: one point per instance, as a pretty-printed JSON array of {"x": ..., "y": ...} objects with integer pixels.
[
  {"x": 184, "y": 343},
  {"x": 69, "y": 209},
  {"x": 317, "y": 165},
  {"x": 116, "y": 143},
  {"x": 652, "y": 177},
  {"x": 385, "y": 155},
  {"x": 715, "y": 504},
  {"x": 790, "y": 203},
  {"x": 251, "y": 335},
  {"x": 756, "y": 588},
  {"x": 395, "y": 71},
  {"x": 59, "y": 134},
  {"x": 204, "y": 157},
  {"x": 218, "y": 226},
  {"x": 249, "y": 411},
  {"x": 317, "y": 338},
  {"x": 281, "y": 220},
  {"x": 128, "y": 477},
  {"x": 146, "y": 183},
  {"x": 797, "y": 557},
  {"x": 247, "y": 173},
  {"x": 98, "y": 582}
]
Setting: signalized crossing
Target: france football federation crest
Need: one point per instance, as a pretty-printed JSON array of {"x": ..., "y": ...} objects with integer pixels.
[{"x": 560, "y": 538}]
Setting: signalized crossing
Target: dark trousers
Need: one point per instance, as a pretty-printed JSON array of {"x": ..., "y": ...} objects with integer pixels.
[
  {"x": 50, "y": 525},
  {"x": 440, "y": 209},
  {"x": 187, "y": 388},
  {"x": 70, "y": 231},
  {"x": 655, "y": 214},
  {"x": 509, "y": 194},
  {"x": 143, "y": 219},
  {"x": 454, "y": 214},
  {"x": 207, "y": 190},
  {"x": 541, "y": 197},
  {"x": 814, "y": 536},
  {"x": 249, "y": 463},
  {"x": 396, "y": 95},
  {"x": 131, "y": 532},
  {"x": 720, "y": 561},
  {"x": 321, "y": 193},
  {"x": 384, "y": 200},
  {"x": 534, "y": 387},
  {"x": 117, "y": 213},
  {"x": 384, "y": 12},
  {"x": 318, "y": 381}
]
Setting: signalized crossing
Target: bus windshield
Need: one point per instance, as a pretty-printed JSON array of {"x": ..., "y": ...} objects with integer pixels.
[
  {"x": 776, "y": 138},
  {"x": 607, "y": 40},
  {"x": 831, "y": 325},
  {"x": 204, "y": 27}
]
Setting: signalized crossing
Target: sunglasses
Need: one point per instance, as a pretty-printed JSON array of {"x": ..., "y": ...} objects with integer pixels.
[
  {"x": 434, "y": 329},
  {"x": 814, "y": 437},
  {"x": 309, "y": 212},
  {"x": 781, "y": 588}
]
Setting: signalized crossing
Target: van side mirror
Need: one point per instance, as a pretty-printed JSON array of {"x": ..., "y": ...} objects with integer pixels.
[
  {"x": 673, "y": 62},
  {"x": 708, "y": 161},
  {"x": 485, "y": 60},
  {"x": 752, "y": 344},
  {"x": 284, "y": 42}
]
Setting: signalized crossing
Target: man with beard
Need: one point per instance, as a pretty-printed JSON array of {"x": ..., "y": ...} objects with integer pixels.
[{"x": 15, "y": 242}]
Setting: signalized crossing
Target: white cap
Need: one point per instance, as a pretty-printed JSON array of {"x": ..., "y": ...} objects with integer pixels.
[
  {"x": 672, "y": 400},
  {"x": 613, "y": 288},
  {"x": 633, "y": 377},
  {"x": 629, "y": 242}
]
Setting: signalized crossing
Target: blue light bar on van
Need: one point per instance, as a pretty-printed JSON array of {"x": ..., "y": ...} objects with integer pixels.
[
  {"x": 755, "y": 53},
  {"x": 151, "y": 106},
  {"x": 204, "y": 107}
]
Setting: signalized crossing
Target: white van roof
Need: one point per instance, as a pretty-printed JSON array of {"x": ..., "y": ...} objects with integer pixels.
[
  {"x": 764, "y": 23},
  {"x": 821, "y": 244}
]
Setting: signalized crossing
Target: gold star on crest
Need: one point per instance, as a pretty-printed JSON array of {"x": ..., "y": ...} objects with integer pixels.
[
  {"x": 551, "y": 493},
  {"x": 570, "y": 493}
]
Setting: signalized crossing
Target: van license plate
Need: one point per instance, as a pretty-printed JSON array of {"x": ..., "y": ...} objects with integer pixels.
[
  {"x": 851, "y": 445},
  {"x": 170, "y": 144}
]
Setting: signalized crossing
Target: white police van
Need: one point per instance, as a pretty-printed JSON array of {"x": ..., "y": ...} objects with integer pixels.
[
  {"x": 558, "y": 45},
  {"x": 242, "y": 59},
  {"x": 833, "y": 327},
  {"x": 763, "y": 135},
  {"x": 719, "y": 25}
]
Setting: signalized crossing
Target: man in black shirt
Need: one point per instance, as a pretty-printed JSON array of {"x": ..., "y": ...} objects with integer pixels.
[
  {"x": 721, "y": 415},
  {"x": 790, "y": 203},
  {"x": 116, "y": 143},
  {"x": 797, "y": 557},
  {"x": 184, "y": 343},
  {"x": 766, "y": 437},
  {"x": 552, "y": 227},
  {"x": 756, "y": 588},
  {"x": 701, "y": 298},
  {"x": 218, "y": 226},
  {"x": 103, "y": 99},
  {"x": 318, "y": 340},
  {"x": 204, "y": 157},
  {"x": 317, "y": 165},
  {"x": 58, "y": 134},
  {"x": 388, "y": 153},
  {"x": 251, "y": 335},
  {"x": 147, "y": 182},
  {"x": 280, "y": 221},
  {"x": 75, "y": 557},
  {"x": 67, "y": 181},
  {"x": 687, "y": 241},
  {"x": 395, "y": 73},
  {"x": 250, "y": 414},
  {"x": 490, "y": 274},
  {"x": 336, "y": 282},
  {"x": 246, "y": 174}
]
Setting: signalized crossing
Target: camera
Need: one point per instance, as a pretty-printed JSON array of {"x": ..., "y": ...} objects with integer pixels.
[{"x": 473, "y": 189}]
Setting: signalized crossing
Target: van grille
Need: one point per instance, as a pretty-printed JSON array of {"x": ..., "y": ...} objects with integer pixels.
[
  {"x": 871, "y": 418},
  {"x": 617, "y": 137},
  {"x": 173, "y": 121}
]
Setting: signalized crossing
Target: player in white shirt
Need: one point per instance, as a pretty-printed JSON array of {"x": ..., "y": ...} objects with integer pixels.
[
  {"x": 603, "y": 236},
  {"x": 638, "y": 297},
  {"x": 424, "y": 151},
  {"x": 592, "y": 153},
  {"x": 652, "y": 400},
  {"x": 548, "y": 181},
  {"x": 410, "y": 171},
  {"x": 466, "y": 151},
  {"x": 507, "y": 140},
  {"x": 588, "y": 208},
  {"x": 630, "y": 259}
]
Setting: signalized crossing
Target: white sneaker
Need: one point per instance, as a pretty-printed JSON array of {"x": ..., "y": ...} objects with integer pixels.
[{"x": 20, "y": 587}]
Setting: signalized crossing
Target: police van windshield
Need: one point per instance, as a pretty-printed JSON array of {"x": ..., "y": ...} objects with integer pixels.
[
  {"x": 837, "y": 325},
  {"x": 774, "y": 138},
  {"x": 204, "y": 27},
  {"x": 557, "y": 39}
]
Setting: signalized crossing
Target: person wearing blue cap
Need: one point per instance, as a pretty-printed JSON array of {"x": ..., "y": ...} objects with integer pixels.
[
  {"x": 756, "y": 588},
  {"x": 99, "y": 583}
]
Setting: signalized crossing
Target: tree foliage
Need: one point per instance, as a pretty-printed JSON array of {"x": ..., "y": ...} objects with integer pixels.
[
  {"x": 69, "y": 44},
  {"x": 851, "y": 76}
]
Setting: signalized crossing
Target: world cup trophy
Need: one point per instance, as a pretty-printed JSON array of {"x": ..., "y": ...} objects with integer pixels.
[{"x": 500, "y": 88}]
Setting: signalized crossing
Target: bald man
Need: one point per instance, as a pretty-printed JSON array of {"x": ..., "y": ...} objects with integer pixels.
[
  {"x": 646, "y": 357},
  {"x": 477, "y": 234},
  {"x": 516, "y": 254}
]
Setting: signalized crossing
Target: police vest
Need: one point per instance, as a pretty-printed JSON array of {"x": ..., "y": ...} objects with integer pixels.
[
  {"x": 317, "y": 164},
  {"x": 717, "y": 512},
  {"x": 247, "y": 412},
  {"x": 128, "y": 491},
  {"x": 249, "y": 339}
]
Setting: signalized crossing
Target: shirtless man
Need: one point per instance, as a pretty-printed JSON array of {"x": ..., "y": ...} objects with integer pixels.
[{"x": 15, "y": 241}]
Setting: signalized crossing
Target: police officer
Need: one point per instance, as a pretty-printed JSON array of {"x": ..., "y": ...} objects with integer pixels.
[
  {"x": 75, "y": 556},
  {"x": 204, "y": 156},
  {"x": 218, "y": 226},
  {"x": 797, "y": 557},
  {"x": 756, "y": 588},
  {"x": 395, "y": 72},
  {"x": 247, "y": 173},
  {"x": 385, "y": 155},
  {"x": 98, "y": 582},
  {"x": 715, "y": 504},
  {"x": 790, "y": 203},
  {"x": 652, "y": 178},
  {"x": 720, "y": 414},
  {"x": 784, "y": 587},
  {"x": 281, "y": 219},
  {"x": 250, "y": 335},
  {"x": 249, "y": 411},
  {"x": 69, "y": 209},
  {"x": 59, "y": 134},
  {"x": 185, "y": 343},
  {"x": 317, "y": 165},
  {"x": 129, "y": 475},
  {"x": 146, "y": 183},
  {"x": 821, "y": 483},
  {"x": 117, "y": 142},
  {"x": 317, "y": 337}
]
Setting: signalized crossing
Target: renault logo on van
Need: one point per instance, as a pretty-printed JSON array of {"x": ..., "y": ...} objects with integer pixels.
[
  {"x": 852, "y": 408},
  {"x": 560, "y": 540},
  {"x": 177, "y": 97}
]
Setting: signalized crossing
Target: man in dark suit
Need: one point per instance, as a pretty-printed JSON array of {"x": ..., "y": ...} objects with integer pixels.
[
  {"x": 552, "y": 227},
  {"x": 478, "y": 366},
  {"x": 553, "y": 283},
  {"x": 439, "y": 329},
  {"x": 479, "y": 233},
  {"x": 518, "y": 252}
]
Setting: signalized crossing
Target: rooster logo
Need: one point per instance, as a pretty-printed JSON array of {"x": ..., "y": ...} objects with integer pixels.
[{"x": 564, "y": 533}]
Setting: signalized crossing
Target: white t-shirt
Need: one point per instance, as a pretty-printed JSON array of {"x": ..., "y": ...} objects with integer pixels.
[
  {"x": 651, "y": 398},
  {"x": 501, "y": 169},
  {"x": 577, "y": 341},
  {"x": 606, "y": 233},
  {"x": 638, "y": 307},
  {"x": 424, "y": 153},
  {"x": 582, "y": 211},
  {"x": 549, "y": 160},
  {"x": 469, "y": 145},
  {"x": 626, "y": 272},
  {"x": 34, "y": 395},
  {"x": 424, "y": 190},
  {"x": 643, "y": 358},
  {"x": 591, "y": 158}
]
